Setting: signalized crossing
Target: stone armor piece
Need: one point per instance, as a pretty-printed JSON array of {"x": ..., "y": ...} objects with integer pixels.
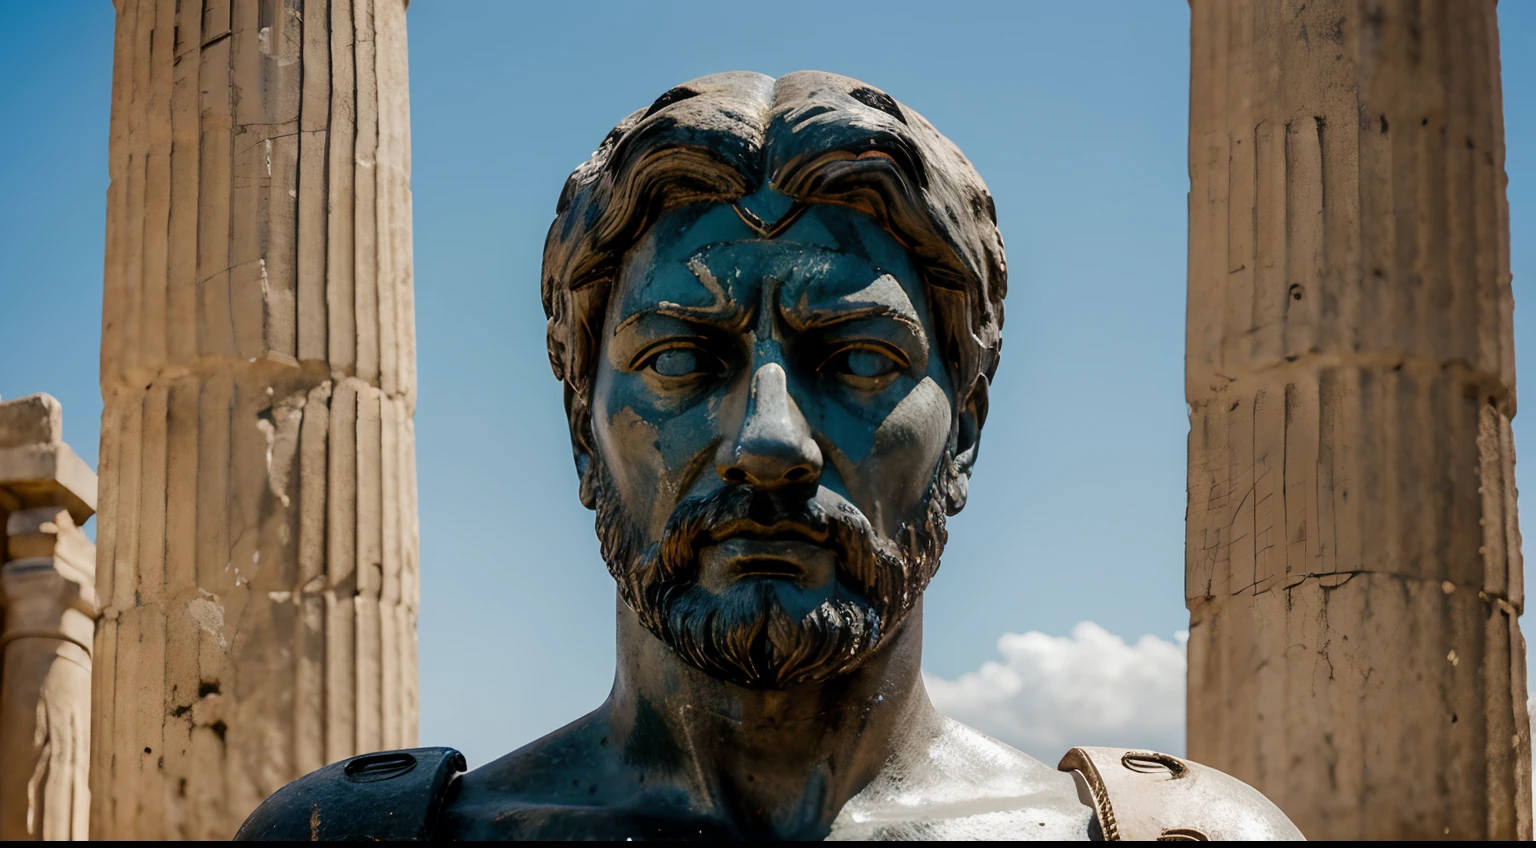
[
  {"x": 1144, "y": 795},
  {"x": 391, "y": 796},
  {"x": 1135, "y": 795}
]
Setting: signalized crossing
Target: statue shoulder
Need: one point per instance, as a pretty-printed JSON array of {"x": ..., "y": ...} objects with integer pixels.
[
  {"x": 391, "y": 795},
  {"x": 1143, "y": 795}
]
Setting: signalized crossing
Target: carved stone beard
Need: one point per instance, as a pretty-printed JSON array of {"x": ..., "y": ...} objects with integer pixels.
[{"x": 743, "y": 635}]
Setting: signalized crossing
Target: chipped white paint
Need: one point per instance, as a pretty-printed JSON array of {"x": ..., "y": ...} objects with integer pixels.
[{"x": 209, "y": 616}]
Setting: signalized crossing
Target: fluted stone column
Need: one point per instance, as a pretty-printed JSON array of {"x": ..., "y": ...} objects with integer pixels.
[
  {"x": 47, "y": 618},
  {"x": 258, "y": 536},
  {"x": 1353, "y": 556}
]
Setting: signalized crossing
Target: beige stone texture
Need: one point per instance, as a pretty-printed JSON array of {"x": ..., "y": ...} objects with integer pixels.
[
  {"x": 1353, "y": 555},
  {"x": 47, "y": 620},
  {"x": 258, "y": 534},
  {"x": 34, "y": 419}
]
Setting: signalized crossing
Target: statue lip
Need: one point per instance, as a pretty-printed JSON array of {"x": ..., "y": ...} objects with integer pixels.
[
  {"x": 782, "y": 557},
  {"x": 778, "y": 531},
  {"x": 783, "y": 550}
]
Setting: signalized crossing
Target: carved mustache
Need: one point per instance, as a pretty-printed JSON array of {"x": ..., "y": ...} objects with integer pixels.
[{"x": 862, "y": 561}]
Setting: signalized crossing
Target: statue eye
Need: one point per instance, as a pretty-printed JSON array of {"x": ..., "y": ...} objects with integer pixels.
[
  {"x": 866, "y": 368},
  {"x": 864, "y": 362},
  {"x": 676, "y": 362}
]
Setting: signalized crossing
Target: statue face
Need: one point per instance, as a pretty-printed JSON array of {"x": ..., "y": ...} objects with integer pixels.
[{"x": 773, "y": 421}]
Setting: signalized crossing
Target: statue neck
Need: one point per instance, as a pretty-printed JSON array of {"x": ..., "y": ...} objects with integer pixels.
[{"x": 780, "y": 762}]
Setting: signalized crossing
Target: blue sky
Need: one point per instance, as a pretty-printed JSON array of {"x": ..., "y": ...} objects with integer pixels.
[{"x": 1076, "y": 115}]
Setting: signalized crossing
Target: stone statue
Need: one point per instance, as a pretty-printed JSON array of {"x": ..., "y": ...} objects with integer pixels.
[{"x": 776, "y": 307}]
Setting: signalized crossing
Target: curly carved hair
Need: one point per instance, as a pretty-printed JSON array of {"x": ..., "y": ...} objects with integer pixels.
[{"x": 815, "y": 137}]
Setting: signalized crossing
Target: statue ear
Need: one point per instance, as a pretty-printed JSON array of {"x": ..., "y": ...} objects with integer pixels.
[
  {"x": 971, "y": 416},
  {"x": 580, "y": 421}
]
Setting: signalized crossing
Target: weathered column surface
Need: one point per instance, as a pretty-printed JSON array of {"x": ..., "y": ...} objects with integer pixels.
[
  {"x": 1353, "y": 558},
  {"x": 258, "y": 554},
  {"x": 48, "y": 610}
]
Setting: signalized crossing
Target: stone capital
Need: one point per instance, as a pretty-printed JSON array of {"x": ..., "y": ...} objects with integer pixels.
[{"x": 37, "y": 468}]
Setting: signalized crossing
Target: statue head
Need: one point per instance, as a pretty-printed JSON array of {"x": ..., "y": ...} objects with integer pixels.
[{"x": 776, "y": 307}]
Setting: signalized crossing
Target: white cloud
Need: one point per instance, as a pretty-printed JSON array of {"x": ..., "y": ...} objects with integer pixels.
[{"x": 1051, "y": 693}]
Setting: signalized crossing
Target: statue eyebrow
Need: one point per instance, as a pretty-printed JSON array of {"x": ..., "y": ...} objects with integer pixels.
[
  {"x": 817, "y": 319},
  {"x": 803, "y": 317},
  {"x": 724, "y": 310}
]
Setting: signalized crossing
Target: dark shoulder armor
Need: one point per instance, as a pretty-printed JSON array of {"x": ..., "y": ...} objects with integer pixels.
[
  {"x": 388, "y": 796},
  {"x": 1144, "y": 795}
]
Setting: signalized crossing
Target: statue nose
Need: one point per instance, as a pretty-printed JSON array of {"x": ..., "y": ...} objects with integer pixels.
[{"x": 774, "y": 447}]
